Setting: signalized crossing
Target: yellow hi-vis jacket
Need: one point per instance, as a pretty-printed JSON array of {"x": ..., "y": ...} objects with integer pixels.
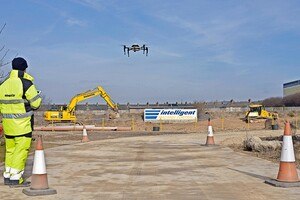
[{"x": 18, "y": 99}]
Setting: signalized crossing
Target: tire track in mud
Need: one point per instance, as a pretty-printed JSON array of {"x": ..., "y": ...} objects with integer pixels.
[{"x": 135, "y": 171}]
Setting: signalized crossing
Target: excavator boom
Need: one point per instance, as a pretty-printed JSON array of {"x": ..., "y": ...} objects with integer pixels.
[
  {"x": 68, "y": 113},
  {"x": 89, "y": 94}
]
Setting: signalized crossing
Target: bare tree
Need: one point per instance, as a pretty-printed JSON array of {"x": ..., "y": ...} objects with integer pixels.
[
  {"x": 46, "y": 102},
  {"x": 3, "y": 54},
  {"x": 2, "y": 28},
  {"x": 273, "y": 102},
  {"x": 292, "y": 100},
  {"x": 2, "y": 58}
]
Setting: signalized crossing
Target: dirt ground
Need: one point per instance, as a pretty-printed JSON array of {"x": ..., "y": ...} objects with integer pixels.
[
  {"x": 273, "y": 155},
  {"x": 228, "y": 125}
]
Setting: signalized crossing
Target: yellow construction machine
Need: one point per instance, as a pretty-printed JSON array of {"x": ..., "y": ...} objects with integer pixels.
[
  {"x": 258, "y": 111},
  {"x": 67, "y": 113}
]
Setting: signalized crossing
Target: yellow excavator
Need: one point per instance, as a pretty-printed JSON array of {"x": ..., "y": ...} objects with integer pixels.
[
  {"x": 67, "y": 113},
  {"x": 258, "y": 111}
]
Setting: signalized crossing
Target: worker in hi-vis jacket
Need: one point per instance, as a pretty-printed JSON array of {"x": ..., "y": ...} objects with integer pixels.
[{"x": 18, "y": 98}]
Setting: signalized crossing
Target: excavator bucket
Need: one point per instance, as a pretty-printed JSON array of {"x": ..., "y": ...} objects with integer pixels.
[{"x": 114, "y": 115}]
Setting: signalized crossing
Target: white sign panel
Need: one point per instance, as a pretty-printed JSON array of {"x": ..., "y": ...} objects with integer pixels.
[{"x": 155, "y": 115}]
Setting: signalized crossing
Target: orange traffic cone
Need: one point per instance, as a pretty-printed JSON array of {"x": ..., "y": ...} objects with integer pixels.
[
  {"x": 287, "y": 169},
  {"x": 84, "y": 135},
  {"x": 39, "y": 181},
  {"x": 287, "y": 174},
  {"x": 210, "y": 135}
]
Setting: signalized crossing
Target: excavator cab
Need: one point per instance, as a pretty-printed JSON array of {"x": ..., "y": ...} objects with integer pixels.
[
  {"x": 256, "y": 109},
  {"x": 64, "y": 108}
]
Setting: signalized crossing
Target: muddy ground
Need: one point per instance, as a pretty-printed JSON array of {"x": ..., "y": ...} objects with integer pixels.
[
  {"x": 273, "y": 155},
  {"x": 230, "y": 126}
]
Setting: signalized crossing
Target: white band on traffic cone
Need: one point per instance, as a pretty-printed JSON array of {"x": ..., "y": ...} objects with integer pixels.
[
  {"x": 287, "y": 151},
  {"x": 39, "y": 165},
  {"x": 84, "y": 132},
  {"x": 210, "y": 131}
]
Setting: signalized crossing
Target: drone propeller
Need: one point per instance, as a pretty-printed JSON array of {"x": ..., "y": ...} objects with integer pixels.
[
  {"x": 144, "y": 48},
  {"x": 128, "y": 51},
  {"x": 147, "y": 49},
  {"x": 124, "y": 48}
]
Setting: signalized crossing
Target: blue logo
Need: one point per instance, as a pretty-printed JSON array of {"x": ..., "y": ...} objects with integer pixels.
[
  {"x": 151, "y": 114},
  {"x": 162, "y": 114}
]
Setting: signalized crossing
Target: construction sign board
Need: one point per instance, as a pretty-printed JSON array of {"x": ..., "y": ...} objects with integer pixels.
[{"x": 170, "y": 115}]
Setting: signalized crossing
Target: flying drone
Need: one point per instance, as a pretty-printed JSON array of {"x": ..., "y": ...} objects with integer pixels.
[{"x": 135, "y": 48}]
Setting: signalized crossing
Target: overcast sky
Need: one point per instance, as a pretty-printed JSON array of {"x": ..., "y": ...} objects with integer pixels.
[{"x": 198, "y": 50}]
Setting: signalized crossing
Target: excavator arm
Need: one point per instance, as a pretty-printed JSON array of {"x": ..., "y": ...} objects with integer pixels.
[
  {"x": 107, "y": 98},
  {"x": 89, "y": 94},
  {"x": 68, "y": 113}
]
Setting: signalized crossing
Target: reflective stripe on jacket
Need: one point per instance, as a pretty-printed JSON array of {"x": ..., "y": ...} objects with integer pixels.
[{"x": 18, "y": 99}]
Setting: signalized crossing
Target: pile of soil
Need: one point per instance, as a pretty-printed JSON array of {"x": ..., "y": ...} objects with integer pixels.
[
  {"x": 255, "y": 143},
  {"x": 272, "y": 154}
]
